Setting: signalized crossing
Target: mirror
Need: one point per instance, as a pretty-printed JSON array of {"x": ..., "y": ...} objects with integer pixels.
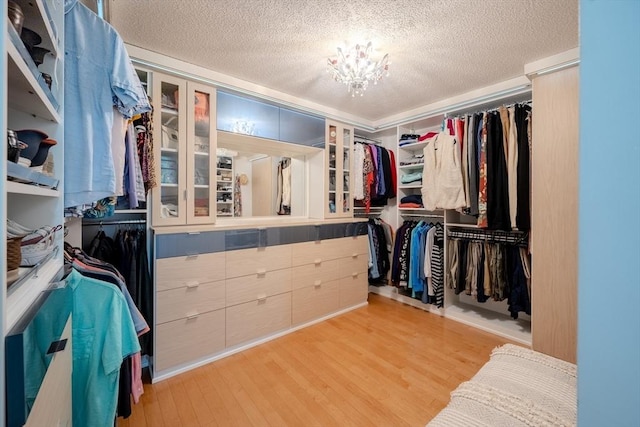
[{"x": 259, "y": 177}]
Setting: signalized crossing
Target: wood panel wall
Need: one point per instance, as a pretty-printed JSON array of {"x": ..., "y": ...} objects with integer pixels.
[{"x": 554, "y": 219}]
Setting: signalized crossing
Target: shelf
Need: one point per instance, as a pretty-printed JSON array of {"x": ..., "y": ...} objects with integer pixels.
[
  {"x": 168, "y": 150},
  {"x": 224, "y": 191},
  {"x": 130, "y": 211},
  {"x": 169, "y": 185},
  {"x": 24, "y": 180},
  {"x": 24, "y": 91},
  {"x": 410, "y": 186},
  {"x": 416, "y": 146},
  {"x": 201, "y": 153},
  {"x": 224, "y": 203},
  {"x": 414, "y": 166},
  {"x": 36, "y": 18},
  {"x": 31, "y": 190},
  {"x": 200, "y": 186}
]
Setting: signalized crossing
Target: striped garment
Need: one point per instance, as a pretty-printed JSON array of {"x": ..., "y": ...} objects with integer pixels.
[{"x": 437, "y": 265}]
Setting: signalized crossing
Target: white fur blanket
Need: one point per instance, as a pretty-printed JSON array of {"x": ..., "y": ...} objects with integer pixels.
[{"x": 517, "y": 387}]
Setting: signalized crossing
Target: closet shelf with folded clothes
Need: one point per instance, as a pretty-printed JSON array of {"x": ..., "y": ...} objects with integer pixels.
[{"x": 413, "y": 166}]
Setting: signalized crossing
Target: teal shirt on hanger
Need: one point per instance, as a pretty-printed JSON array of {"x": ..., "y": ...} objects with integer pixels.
[{"x": 102, "y": 336}]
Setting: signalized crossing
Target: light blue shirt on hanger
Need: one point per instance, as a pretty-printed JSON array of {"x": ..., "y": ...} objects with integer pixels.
[{"x": 98, "y": 74}]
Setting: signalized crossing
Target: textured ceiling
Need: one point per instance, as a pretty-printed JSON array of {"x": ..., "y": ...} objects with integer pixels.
[{"x": 437, "y": 48}]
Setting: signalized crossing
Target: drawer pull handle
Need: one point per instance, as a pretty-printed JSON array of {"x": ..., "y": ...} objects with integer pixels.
[
  {"x": 317, "y": 261},
  {"x": 192, "y": 285},
  {"x": 193, "y": 316},
  {"x": 261, "y": 271},
  {"x": 193, "y": 255},
  {"x": 354, "y": 274},
  {"x": 262, "y": 297},
  {"x": 317, "y": 283},
  {"x": 354, "y": 255}
]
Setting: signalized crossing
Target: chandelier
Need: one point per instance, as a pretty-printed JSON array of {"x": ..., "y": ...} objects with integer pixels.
[{"x": 356, "y": 69}]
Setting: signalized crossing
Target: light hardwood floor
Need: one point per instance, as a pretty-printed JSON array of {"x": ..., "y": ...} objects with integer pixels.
[{"x": 387, "y": 364}]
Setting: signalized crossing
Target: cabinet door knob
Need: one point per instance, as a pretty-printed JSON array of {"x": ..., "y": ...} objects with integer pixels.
[
  {"x": 317, "y": 261},
  {"x": 193, "y": 284},
  {"x": 317, "y": 283},
  {"x": 193, "y": 315},
  {"x": 262, "y": 297},
  {"x": 354, "y": 255},
  {"x": 261, "y": 271},
  {"x": 354, "y": 274}
]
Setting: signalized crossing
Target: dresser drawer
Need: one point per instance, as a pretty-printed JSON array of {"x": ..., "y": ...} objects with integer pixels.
[
  {"x": 187, "y": 340},
  {"x": 244, "y": 262},
  {"x": 311, "y": 274},
  {"x": 313, "y": 252},
  {"x": 350, "y": 246},
  {"x": 179, "y": 272},
  {"x": 313, "y": 302},
  {"x": 257, "y": 286},
  {"x": 256, "y": 319},
  {"x": 353, "y": 290},
  {"x": 353, "y": 264},
  {"x": 183, "y": 302}
]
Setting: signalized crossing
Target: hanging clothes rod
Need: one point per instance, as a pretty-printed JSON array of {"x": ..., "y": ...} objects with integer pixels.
[
  {"x": 364, "y": 138},
  {"x": 122, "y": 222},
  {"x": 520, "y": 238},
  {"x": 463, "y": 113},
  {"x": 439, "y": 217},
  {"x": 373, "y": 208}
]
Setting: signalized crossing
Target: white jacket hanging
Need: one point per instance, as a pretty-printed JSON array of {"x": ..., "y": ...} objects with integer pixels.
[{"x": 442, "y": 184}]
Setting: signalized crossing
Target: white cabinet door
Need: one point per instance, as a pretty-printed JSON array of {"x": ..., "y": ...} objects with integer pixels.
[{"x": 52, "y": 406}]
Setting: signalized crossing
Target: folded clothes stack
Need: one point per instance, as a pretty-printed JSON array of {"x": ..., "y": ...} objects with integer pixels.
[
  {"x": 36, "y": 244},
  {"x": 408, "y": 178},
  {"x": 408, "y": 138},
  {"x": 412, "y": 198},
  {"x": 412, "y": 201}
]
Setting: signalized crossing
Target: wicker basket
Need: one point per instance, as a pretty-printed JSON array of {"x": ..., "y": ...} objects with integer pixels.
[{"x": 14, "y": 254}]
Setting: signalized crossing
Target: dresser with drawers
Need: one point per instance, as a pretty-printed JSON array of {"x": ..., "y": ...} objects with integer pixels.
[{"x": 219, "y": 292}]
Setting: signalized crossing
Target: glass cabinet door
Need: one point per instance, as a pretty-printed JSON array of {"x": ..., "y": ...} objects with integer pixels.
[
  {"x": 347, "y": 200},
  {"x": 169, "y": 103},
  {"x": 201, "y": 154},
  {"x": 332, "y": 167},
  {"x": 339, "y": 143}
]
